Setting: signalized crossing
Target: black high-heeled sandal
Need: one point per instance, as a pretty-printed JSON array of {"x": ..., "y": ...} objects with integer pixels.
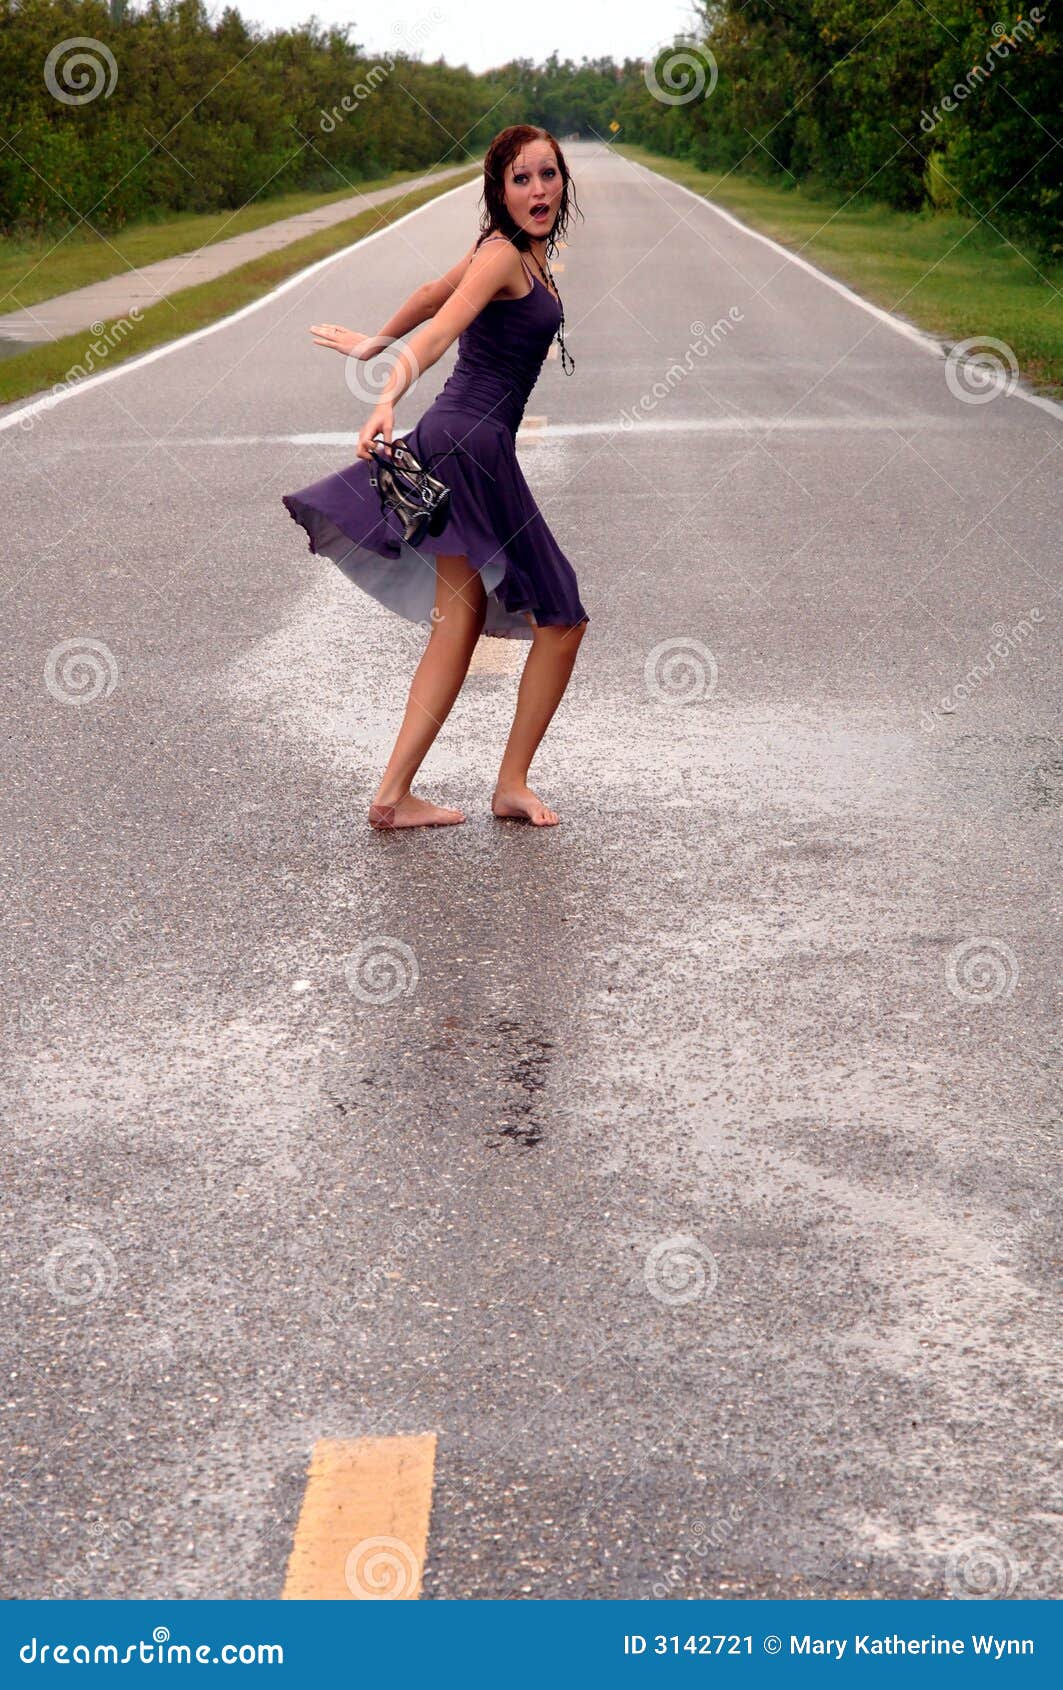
[{"x": 419, "y": 498}]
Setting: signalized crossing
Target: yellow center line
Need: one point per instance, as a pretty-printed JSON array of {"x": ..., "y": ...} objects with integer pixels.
[{"x": 363, "y": 1526}]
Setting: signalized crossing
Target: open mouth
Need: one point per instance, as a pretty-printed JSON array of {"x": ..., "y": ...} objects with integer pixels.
[{"x": 540, "y": 212}]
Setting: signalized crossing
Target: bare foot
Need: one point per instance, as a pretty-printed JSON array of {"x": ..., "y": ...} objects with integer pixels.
[
  {"x": 409, "y": 811},
  {"x": 520, "y": 803}
]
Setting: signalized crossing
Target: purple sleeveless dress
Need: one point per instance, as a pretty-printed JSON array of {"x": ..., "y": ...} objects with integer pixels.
[{"x": 494, "y": 519}]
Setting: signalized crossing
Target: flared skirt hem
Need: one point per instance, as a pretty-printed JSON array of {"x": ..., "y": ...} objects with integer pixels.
[{"x": 404, "y": 579}]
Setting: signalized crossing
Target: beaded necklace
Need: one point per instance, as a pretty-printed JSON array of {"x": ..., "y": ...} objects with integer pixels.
[{"x": 548, "y": 279}]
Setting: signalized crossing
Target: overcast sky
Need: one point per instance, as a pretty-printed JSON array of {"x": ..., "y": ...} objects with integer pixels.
[{"x": 482, "y": 35}]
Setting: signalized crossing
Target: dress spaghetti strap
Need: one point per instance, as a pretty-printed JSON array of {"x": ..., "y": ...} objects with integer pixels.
[{"x": 520, "y": 255}]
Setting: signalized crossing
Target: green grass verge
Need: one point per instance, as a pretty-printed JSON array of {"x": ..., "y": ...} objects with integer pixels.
[
  {"x": 949, "y": 274},
  {"x": 41, "y": 367}
]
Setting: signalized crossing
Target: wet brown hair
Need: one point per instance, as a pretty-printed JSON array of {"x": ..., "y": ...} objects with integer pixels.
[{"x": 499, "y": 156}]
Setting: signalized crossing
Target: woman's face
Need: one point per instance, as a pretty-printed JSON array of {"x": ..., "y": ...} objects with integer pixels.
[{"x": 533, "y": 180}]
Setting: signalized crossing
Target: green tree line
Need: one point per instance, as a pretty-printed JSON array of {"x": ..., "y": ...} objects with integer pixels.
[
  {"x": 164, "y": 111},
  {"x": 955, "y": 103}
]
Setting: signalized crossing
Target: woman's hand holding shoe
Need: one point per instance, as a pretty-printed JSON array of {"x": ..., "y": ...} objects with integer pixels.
[{"x": 382, "y": 421}]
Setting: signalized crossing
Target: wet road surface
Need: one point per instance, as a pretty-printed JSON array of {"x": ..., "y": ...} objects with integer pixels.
[{"x": 690, "y": 1168}]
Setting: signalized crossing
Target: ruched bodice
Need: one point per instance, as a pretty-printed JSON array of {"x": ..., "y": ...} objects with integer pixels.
[{"x": 501, "y": 353}]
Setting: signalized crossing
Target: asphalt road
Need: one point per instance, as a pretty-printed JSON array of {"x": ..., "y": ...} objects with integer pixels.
[{"x": 689, "y": 1168}]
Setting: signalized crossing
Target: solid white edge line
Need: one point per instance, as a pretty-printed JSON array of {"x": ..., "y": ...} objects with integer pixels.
[
  {"x": 52, "y": 398},
  {"x": 939, "y": 348}
]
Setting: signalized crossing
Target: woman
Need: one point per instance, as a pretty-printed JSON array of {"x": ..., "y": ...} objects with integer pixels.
[{"x": 495, "y": 568}]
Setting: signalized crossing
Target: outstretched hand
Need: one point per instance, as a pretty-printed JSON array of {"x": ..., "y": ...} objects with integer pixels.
[{"x": 347, "y": 341}]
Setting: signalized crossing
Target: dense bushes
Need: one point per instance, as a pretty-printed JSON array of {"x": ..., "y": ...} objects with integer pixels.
[
  {"x": 957, "y": 104},
  {"x": 961, "y": 103},
  {"x": 206, "y": 117}
]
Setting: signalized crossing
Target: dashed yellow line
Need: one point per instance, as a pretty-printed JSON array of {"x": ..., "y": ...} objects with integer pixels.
[
  {"x": 363, "y": 1526},
  {"x": 493, "y": 656}
]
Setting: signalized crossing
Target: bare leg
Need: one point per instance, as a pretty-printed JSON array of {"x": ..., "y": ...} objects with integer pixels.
[
  {"x": 546, "y": 675},
  {"x": 458, "y": 619}
]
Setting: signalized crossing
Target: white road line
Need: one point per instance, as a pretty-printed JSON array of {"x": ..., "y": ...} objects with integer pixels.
[
  {"x": 50, "y": 399},
  {"x": 553, "y": 431},
  {"x": 939, "y": 348}
]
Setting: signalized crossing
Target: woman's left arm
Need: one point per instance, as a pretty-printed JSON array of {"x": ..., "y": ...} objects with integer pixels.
[{"x": 424, "y": 301}]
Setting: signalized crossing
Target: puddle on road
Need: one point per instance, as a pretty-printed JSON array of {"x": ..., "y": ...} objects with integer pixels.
[
  {"x": 151, "y": 1087},
  {"x": 1020, "y": 772},
  {"x": 334, "y": 681}
]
